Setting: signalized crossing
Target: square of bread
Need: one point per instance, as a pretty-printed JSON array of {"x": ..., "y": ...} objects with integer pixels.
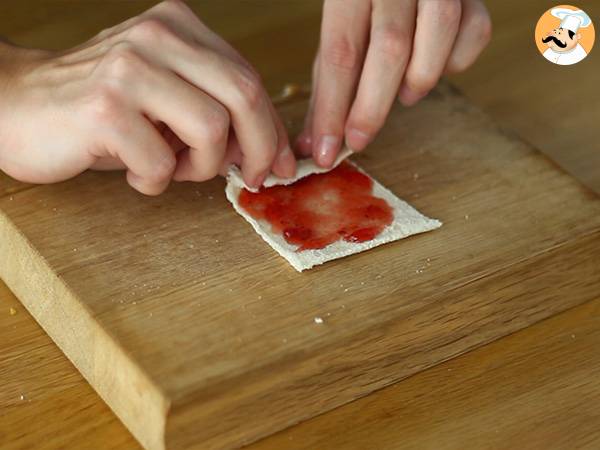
[{"x": 407, "y": 221}]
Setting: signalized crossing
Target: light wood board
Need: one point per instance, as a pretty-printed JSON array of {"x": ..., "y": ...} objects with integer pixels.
[{"x": 198, "y": 335}]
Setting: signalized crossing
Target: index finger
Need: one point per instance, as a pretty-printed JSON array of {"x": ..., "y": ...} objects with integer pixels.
[{"x": 344, "y": 36}]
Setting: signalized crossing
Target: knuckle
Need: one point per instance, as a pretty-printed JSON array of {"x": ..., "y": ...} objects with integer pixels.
[
  {"x": 249, "y": 89},
  {"x": 175, "y": 5},
  {"x": 368, "y": 122},
  {"x": 123, "y": 63},
  {"x": 162, "y": 169},
  {"x": 217, "y": 126},
  {"x": 105, "y": 106},
  {"x": 208, "y": 171},
  {"x": 341, "y": 53},
  {"x": 392, "y": 41},
  {"x": 149, "y": 29},
  {"x": 421, "y": 81}
]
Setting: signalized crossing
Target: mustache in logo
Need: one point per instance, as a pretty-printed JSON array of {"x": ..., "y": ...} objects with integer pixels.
[{"x": 555, "y": 40}]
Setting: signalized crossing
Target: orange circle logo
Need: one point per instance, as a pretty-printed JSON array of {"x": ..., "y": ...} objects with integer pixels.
[{"x": 565, "y": 35}]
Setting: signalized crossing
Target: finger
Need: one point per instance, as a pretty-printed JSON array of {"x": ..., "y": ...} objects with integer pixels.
[
  {"x": 344, "y": 36},
  {"x": 303, "y": 144},
  {"x": 150, "y": 161},
  {"x": 233, "y": 155},
  {"x": 193, "y": 116},
  {"x": 473, "y": 36},
  {"x": 436, "y": 28},
  {"x": 390, "y": 45},
  {"x": 234, "y": 86},
  {"x": 285, "y": 162}
]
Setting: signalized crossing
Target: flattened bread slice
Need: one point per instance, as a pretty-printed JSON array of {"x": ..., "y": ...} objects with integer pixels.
[{"x": 407, "y": 220}]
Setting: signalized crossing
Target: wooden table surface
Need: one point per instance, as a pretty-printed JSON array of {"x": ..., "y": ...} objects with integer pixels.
[{"x": 534, "y": 389}]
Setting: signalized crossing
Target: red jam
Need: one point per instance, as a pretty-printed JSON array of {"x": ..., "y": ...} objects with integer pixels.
[{"x": 321, "y": 209}]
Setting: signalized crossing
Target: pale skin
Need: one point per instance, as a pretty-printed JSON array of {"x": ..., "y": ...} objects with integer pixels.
[{"x": 164, "y": 98}]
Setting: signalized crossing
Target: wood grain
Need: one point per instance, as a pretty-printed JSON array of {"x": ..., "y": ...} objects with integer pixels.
[
  {"x": 51, "y": 23},
  {"x": 131, "y": 312},
  {"x": 556, "y": 109},
  {"x": 535, "y": 389}
]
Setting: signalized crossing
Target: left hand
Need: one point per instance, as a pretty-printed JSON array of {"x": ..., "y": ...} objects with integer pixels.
[{"x": 371, "y": 52}]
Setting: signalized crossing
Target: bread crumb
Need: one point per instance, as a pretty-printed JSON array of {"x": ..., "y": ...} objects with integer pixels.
[
  {"x": 415, "y": 176},
  {"x": 12, "y": 311},
  {"x": 466, "y": 217},
  {"x": 318, "y": 320},
  {"x": 22, "y": 397}
]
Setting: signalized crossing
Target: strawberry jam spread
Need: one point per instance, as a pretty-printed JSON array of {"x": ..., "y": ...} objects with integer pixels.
[{"x": 321, "y": 209}]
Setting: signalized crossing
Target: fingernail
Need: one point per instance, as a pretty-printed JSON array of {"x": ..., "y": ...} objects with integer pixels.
[
  {"x": 327, "y": 150},
  {"x": 287, "y": 162},
  {"x": 260, "y": 179},
  {"x": 409, "y": 97},
  {"x": 304, "y": 143},
  {"x": 357, "y": 140}
]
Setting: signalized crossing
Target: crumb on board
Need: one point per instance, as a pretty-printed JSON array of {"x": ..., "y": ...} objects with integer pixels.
[
  {"x": 466, "y": 217},
  {"x": 22, "y": 397},
  {"x": 415, "y": 176},
  {"x": 12, "y": 311},
  {"x": 318, "y": 320}
]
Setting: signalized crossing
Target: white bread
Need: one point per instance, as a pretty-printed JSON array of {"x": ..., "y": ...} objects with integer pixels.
[{"x": 407, "y": 220}]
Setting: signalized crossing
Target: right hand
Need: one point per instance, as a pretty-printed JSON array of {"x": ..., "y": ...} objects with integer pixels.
[{"x": 159, "y": 95}]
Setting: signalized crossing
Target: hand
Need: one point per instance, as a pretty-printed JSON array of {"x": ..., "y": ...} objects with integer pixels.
[
  {"x": 373, "y": 51},
  {"x": 159, "y": 95}
]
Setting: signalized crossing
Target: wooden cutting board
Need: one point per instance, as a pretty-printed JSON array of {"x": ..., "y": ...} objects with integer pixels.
[{"x": 198, "y": 335}]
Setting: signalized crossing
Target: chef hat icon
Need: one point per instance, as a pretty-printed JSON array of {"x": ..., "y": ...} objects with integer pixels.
[{"x": 571, "y": 19}]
